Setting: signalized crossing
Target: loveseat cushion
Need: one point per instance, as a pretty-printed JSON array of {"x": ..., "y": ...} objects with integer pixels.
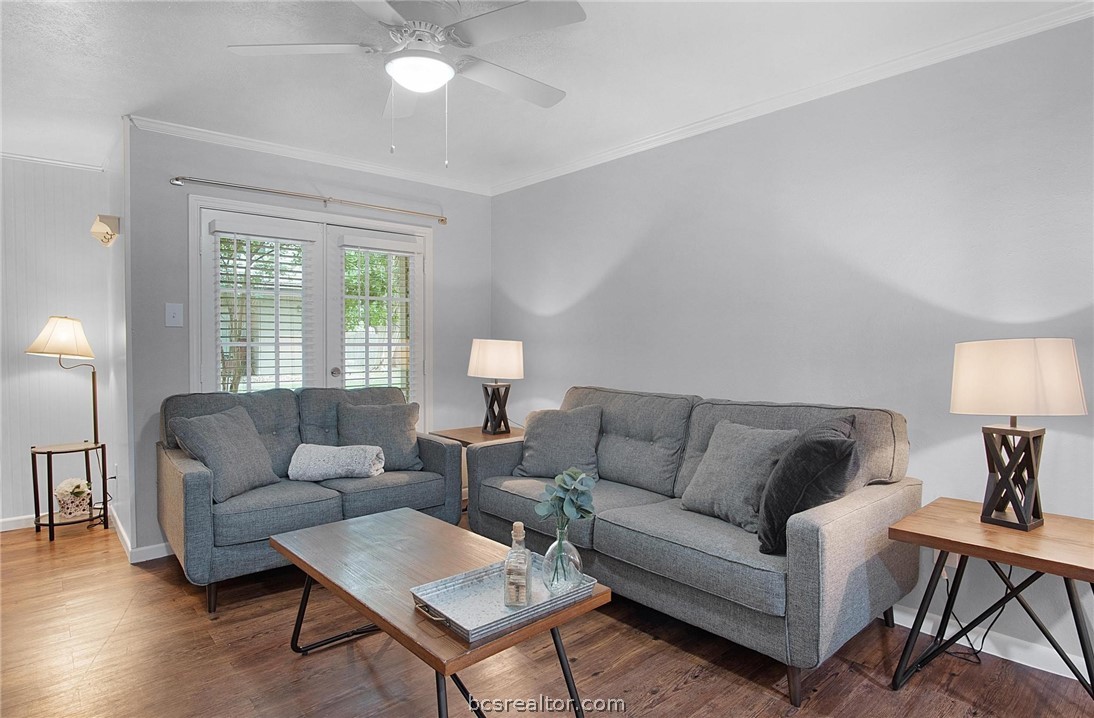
[
  {"x": 557, "y": 440},
  {"x": 641, "y": 435},
  {"x": 705, "y": 553},
  {"x": 389, "y": 490},
  {"x": 513, "y": 498},
  {"x": 273, "y": 411},
  {"x": 882, "y": 435},
  {"x": 319, "y": 409},
  {"x": 229, "y": 445},
  {"x": 285, "y": 506},
  {"x": 389, "y": 426}
]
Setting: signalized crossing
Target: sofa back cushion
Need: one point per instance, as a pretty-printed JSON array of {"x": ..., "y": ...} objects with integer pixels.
[
  {"x": 881, "y": 435},
  {"x": 319, "y": 409},
  {"x": 642, "y": 435},
  {"x": 273, "y": 411}
]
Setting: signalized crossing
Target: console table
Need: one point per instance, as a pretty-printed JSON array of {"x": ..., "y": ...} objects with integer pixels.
[
  {"x": 86, "y": 448},
  {"x": 1063, "y": 546}
]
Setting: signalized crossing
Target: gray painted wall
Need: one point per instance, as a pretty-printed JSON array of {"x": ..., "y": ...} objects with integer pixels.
[
  {"x": 835, "y": 252},
  {"x": 158, "y": 273}
]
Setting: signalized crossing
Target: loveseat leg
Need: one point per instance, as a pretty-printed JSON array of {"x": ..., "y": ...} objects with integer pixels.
[
  {"x": 211, "y": 597},
  {"x": 889, "y": 621},
  {"x": 794, "y": 682}
]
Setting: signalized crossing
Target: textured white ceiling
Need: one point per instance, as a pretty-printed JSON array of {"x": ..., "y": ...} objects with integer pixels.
[{"x": 632, "y": 70}]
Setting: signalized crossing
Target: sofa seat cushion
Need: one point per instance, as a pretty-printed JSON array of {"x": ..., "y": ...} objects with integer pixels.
[
  {"x": 514, "y": 498},
  {"x": 387, "y": 491},
  {"x": 696, "y": 550},
  {"x": 285, "y": 506}
]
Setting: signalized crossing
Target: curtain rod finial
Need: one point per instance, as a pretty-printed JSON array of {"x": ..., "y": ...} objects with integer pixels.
[{"x": 177, "y": 181}]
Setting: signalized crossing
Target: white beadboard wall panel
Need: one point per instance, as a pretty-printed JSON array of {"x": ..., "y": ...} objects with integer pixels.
[{"x": 52, "y": 265}]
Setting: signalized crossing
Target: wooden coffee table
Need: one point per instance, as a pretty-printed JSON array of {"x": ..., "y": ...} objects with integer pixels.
[{"x": 372, "y": 562}]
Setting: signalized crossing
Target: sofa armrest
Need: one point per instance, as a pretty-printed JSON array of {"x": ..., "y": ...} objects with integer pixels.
[
  {"x": 494, "y": 458},
  {"x": 444, "y": 456},
  {"x": 842, "y": 569},
  {"x": 185, "y": 506}
]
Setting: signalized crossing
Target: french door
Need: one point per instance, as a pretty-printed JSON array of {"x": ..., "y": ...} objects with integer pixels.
[{"x": 289, "y": 303}]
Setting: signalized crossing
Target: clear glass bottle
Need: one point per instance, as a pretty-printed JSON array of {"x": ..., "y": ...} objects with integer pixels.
[{"x": 517, "y": 563}]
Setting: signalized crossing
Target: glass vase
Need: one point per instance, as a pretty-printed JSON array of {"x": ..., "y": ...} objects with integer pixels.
[{"x": 561, "y": 564}]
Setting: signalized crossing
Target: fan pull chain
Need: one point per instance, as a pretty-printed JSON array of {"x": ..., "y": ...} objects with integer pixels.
[
  {"x": 446, "y": 126},
  {"x": 392, "y": 104}
]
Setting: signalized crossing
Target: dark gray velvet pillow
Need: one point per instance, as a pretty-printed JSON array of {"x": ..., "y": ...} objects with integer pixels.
[
  {"x": 734, "y": 470},
  {"x": 557, "y": 439},
  {"x": 816, "y": 469},
  {"x": 229, "y": 444},
  {"x": 389, "y": 426}
]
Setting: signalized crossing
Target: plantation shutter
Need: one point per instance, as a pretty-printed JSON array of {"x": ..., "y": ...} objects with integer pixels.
[
  {"x": 381, "y": 335},
  {"x": 265, "y": 303}
]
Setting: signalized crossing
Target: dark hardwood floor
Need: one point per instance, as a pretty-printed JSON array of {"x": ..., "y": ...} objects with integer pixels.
[{"x": 83, "y": 633}]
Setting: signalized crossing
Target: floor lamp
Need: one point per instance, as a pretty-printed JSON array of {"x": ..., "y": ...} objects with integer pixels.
[
  {"x": 496, "y": 359},
  {"x": 64, "y": 337},
  {"x": 1012, "y": 377}
]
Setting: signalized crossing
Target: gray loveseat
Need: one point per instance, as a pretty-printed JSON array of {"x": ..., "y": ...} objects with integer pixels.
[
  {"x": 840, "y": 570},
  {"x": 218, "y": 541}
]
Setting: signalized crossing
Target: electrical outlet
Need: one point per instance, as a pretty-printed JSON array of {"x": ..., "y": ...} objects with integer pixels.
[{"x": 172, "y": 315}]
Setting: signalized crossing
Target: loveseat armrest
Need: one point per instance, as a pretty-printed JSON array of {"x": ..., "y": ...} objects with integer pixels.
[
  {"x": 444, "y": 456},
  {"x": 185, "y": 506},
  {"x": 842, "y": 569},
  {"x": 494, "y": 458}
]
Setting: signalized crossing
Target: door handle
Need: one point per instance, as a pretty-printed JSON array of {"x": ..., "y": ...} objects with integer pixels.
[{"x": 336, "y": 371}]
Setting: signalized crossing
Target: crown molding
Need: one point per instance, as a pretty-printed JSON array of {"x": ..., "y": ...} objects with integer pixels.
[
  {"x": 54, "y": 163},
  {"x": 298, "y": 153},
  {"x": 882, "y": 71}
]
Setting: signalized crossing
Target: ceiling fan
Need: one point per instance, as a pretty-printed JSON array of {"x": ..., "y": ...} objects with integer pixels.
[{"x": 428, "y": 48}]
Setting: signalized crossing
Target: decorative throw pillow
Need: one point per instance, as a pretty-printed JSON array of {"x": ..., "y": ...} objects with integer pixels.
[
  {"x": 389, "y": 426},
  {"x": 556, "y": 440},
  {"x": 731, "y": 477},
  {"x": 315, "y": 462},
  {"x": 229, "y": 444},
  {"x": 815, "y": 469}
]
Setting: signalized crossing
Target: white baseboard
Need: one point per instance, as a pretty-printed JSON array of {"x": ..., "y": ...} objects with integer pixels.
[
  {"x": 17, "y": 522},
  {"x": 1034, "y": 655},
  {"x": 143, "y": 553}
]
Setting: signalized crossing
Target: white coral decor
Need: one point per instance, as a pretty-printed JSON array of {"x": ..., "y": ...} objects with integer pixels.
[{"x": 74, "y": 497}]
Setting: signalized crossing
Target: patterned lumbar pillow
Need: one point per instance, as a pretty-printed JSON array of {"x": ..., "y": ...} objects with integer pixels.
[
  {"x": 315, "y": 462},
  {"x": 229, "y": 444}
]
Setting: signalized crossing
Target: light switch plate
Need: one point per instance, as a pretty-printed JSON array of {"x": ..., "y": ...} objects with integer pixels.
[{"x": 172, "y": 315}]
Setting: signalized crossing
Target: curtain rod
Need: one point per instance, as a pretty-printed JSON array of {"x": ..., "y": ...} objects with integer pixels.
[{"x": 179, "y": 181}]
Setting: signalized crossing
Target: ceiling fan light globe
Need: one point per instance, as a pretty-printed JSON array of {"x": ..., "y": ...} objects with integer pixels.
[{"x": 419, "y": 70}]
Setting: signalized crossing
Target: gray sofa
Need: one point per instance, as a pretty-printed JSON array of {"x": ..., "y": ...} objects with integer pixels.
[
  {"x": 218, "y": 541},
  {"x": 839, "y": 573}
]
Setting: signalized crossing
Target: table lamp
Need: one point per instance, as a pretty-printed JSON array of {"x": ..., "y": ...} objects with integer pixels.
[
  {"x": 496, "y": 359},
  {"x": 64, "y": 337},
  {"x": 1010, "y": 377}
]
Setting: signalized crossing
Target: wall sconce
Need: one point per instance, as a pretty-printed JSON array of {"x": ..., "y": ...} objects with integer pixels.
[{"x": 105, "y": 228}]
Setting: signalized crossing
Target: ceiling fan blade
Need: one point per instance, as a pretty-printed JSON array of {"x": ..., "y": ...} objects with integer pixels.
[
  {"x": 381, "y": 11},
  {"x": 309, "y": 48},
  {"x": 437, "y": 12},
  {"x": 519, "y": 19},
  {"x": 405, "y": 100},
  {"x": 509, "y": 82}
]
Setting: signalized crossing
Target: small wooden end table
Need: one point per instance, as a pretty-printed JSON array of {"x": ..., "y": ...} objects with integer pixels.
[
  {"x": 86, "y": 448},
  {"x": 470, "y": 435},
  {"x": 1063, "y": 546},
  {"x": 372, "y": 562}
]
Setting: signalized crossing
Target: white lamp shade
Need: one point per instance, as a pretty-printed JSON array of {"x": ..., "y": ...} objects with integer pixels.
[
  {"x": 62, "y": 336},
  {"x": 496, "y": 359},
  {"x": 1017, "y": 377},
  {"x": 420, "y": 70}
]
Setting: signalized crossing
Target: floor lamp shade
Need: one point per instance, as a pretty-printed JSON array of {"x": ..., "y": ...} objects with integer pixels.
[
  {"x": 496, "y": 359},
  {"x": 64, "y": 337},
  {"x": 1015, "y": 377}
]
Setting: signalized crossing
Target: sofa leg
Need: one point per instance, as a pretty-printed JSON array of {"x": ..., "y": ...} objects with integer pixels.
[
  {"x": 211, "y": 597},
  {"x": 889, "y": 621},
  {"x": 794, "y": 681}
]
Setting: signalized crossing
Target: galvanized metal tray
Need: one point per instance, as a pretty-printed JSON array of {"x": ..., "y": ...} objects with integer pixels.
[{"x": 470, "y": 604}]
